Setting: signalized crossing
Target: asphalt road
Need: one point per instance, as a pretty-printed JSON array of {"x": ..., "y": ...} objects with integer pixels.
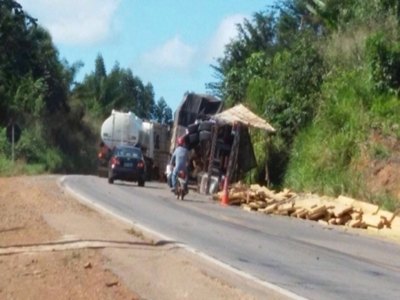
[{"x": 302, "y": 257}]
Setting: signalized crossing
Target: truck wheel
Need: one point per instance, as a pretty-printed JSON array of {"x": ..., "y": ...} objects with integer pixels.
[
  {"x": 193, "y": 128},
  {"x": 204, "y": 136},
  {"x": 193, "y": 139},
  {"x": 206, "y": 125}
]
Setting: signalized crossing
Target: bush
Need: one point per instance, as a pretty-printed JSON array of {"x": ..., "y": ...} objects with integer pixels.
[
  {"x": 323, "y": 154},
  {"x": 5, "y": 146},
  {"x": 31, "y": 145},
  {"x": 19, "y": 167},
  {"x": 33, "y": 155},
  {"x": 52, "y": 159},
  {"x": 384, "y": 59}
]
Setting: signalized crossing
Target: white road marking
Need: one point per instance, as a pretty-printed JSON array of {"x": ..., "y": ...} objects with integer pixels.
[{"x": 264, "y": 283}]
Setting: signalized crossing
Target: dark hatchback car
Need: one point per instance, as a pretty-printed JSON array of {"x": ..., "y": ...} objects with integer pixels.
[{"x": 127, "y": 163}]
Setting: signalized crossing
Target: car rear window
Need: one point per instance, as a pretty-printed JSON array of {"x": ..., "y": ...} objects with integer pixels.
[{"x": 128, "y": 152}]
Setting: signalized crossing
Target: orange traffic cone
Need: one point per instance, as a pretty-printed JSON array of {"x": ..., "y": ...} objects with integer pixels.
[{"x": 225, "y": 193}]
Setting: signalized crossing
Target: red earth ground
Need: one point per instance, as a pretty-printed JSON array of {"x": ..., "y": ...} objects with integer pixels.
[{"x": 53, "y": 247}]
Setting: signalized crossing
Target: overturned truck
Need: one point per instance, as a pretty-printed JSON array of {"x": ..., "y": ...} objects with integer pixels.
[
  {"x": 194, "y": 108},
  {"x": 219, "y": 142}
]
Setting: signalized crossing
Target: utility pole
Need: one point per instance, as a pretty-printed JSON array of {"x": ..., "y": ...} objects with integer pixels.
[
  {"x": 13, "y": 133},
  {"x": 12, "y": 141}
]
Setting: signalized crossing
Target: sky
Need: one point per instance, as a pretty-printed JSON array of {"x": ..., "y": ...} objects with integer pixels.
[{"x": 169, "y": 43}]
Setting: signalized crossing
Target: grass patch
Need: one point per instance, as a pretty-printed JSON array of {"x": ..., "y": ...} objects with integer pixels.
[
  {"x": 323, "y": 154},
  {"x": 386, "y": 202},
  {"x": 380, "y": 152},
  {"x": 19, "y": 167}
]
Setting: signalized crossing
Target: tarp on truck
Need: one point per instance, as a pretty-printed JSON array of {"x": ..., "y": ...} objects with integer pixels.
[{"x": 242, "y": 114}]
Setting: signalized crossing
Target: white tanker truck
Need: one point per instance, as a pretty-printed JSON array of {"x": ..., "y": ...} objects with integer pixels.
[{"x": 125, "y": 128}]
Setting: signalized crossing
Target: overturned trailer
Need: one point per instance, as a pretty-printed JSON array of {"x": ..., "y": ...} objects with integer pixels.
[
  {"x": 219, "y": 141},
  {"x": 220, "y": 144},
  {"x": 240, "y": 158}
]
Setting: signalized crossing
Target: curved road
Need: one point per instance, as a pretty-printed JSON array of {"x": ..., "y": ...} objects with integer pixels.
[{"x": 302, "y": 257}]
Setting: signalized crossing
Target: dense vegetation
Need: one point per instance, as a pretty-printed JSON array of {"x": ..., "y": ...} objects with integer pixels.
[
  {"x": 59, "y": 118},
  {"x": 326, "y": 75}
]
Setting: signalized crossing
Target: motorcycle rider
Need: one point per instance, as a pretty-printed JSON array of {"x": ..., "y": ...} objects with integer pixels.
[{"x": 179, "y": 161}]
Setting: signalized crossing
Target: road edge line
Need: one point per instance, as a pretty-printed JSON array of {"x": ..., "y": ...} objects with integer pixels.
[{"x": 86, "y": 200}]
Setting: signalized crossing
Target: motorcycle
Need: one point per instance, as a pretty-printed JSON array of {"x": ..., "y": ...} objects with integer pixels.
[{"x": 181, "y": 187}]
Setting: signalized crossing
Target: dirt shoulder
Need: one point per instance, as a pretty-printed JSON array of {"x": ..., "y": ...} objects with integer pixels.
[{"x": 53, "y": 247}]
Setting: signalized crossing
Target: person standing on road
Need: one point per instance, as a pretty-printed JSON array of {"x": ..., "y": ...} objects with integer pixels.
[{"x": 179, "y": 161}]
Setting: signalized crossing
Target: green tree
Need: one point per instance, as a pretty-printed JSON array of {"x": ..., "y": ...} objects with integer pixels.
[
  {"x": 15, "y": 29},
  {"x": 26, "y": 51},
  {"x": 168, "y": 117},
  {"x": 148, "y": 103},
  {"x": 35, "y": 90},
  {"x": 254, "y": 36},
  {"x": 274, "y": 65},
  {"x": 162, "y": 112},
  {"x": 383, "y": 54},
  {"x": 119, "y": 90},
  {"x": 99, "y": 68}
]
